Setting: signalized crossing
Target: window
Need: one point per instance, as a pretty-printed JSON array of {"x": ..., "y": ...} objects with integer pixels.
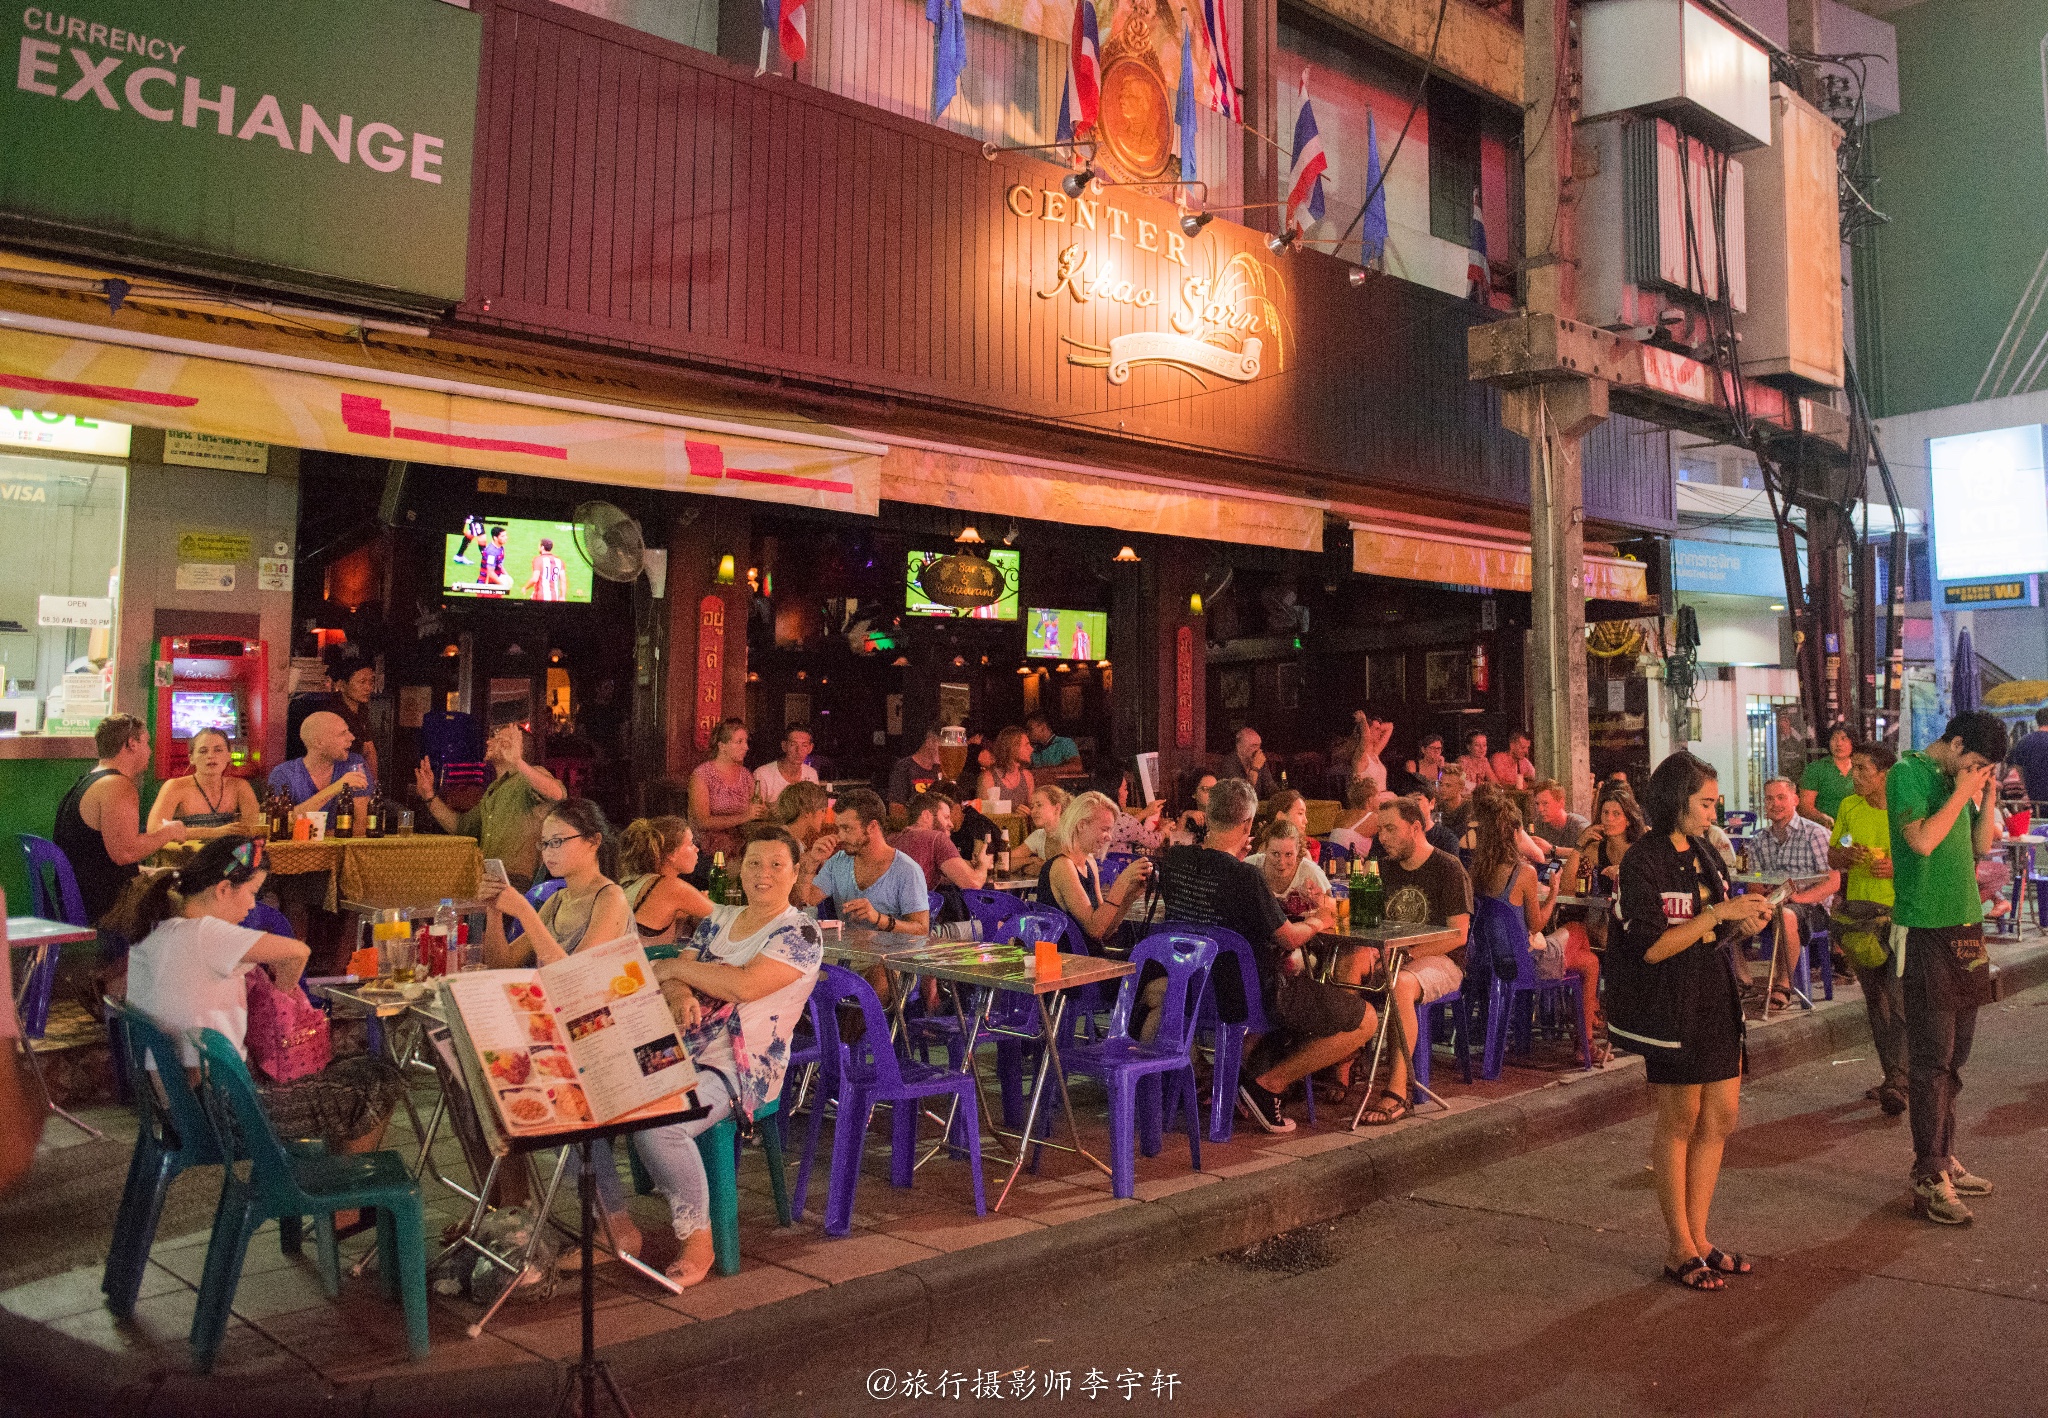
[
  {"x": 1453, "y": 162},
  {"x": 62, "y": 523}
]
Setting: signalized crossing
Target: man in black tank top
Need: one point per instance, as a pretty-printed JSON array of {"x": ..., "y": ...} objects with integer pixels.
[{"x": 99, "y": 823}]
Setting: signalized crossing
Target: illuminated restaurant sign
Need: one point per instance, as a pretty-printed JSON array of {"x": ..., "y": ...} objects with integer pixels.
[
  {"x": 962, "y": 581},
  {"x": 1219, "y": 317}
]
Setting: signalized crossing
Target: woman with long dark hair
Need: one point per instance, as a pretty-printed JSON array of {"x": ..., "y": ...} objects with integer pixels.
[
  {"x": 723, "y": 794},
  {"x": 575, "y": 845},
  {"x": 1009, "y": 776},
  {"x": 1673, "y": 996}
]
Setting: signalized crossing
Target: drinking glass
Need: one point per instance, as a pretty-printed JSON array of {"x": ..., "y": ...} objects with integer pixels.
[{"x": 398, "y": 959}]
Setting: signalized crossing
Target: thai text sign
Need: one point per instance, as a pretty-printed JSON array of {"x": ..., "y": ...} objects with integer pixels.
[
  {"x": 265, "y": 138},
  {"x": 710, "y": 667}
]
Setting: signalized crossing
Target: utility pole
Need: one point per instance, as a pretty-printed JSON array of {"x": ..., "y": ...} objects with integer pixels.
[{"x": 1554, "y": 414}]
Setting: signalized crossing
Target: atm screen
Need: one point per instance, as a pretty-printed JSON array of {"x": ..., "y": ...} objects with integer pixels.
[{"x": 193, "y": 710}]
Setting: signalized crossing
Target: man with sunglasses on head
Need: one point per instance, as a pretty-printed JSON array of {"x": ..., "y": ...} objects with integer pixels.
[{"x": 506, "y": 820}]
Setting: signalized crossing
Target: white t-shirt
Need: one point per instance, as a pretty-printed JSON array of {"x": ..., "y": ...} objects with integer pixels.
[
  {"x": 771, "y": 782},
  {"x": 749, "y": 1042},
  {"x": 1305, "y": 874},
  {"x": 187, "y": 974}
]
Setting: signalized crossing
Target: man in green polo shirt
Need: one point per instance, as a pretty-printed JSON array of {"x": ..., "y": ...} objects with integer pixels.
[
  {"x": 1939, "y": 802},
  {"x": 1862, "y": 846},
  {"x": 506, "y": 820}
]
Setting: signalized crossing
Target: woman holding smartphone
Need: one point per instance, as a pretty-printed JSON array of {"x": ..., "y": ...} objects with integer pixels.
[{"x": 1673, "y": 996}]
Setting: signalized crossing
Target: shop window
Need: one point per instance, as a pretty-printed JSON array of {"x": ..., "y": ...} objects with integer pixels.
[
  {"x": 59, "y": 584},
  {"x": 1453, "y": 162}
]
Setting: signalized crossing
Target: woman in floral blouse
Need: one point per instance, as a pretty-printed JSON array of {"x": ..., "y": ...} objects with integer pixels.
[{"x": 737, "y": 992}]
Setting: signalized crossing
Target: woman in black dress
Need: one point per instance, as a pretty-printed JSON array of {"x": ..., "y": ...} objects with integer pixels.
[{"x": 1672, "y": 996}]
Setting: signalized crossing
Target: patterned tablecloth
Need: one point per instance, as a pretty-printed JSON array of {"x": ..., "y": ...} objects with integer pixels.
[{"x": 379, "y": 871}]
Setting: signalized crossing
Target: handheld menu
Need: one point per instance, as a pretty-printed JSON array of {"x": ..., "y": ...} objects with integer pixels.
[{"x": 583, "y": 1041}]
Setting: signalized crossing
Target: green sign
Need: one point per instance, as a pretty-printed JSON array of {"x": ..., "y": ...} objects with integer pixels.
[{"x": 320, "y": 146}]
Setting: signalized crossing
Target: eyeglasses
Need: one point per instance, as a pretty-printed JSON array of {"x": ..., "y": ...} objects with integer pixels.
[{"x": 555, "y": 844}]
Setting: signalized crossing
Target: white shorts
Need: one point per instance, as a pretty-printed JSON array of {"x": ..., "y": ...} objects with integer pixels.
[{"x": 1438, "y": 975}]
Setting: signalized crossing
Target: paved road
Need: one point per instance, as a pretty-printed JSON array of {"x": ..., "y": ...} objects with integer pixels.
[{"x": 1531, "y": 1287}]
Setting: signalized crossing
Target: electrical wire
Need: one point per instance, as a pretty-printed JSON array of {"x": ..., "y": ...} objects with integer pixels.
[{"x": 1414, "y": 105}]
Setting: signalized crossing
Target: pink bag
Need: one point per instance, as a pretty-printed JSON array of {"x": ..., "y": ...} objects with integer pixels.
[{"x": 288, "y": 1036}]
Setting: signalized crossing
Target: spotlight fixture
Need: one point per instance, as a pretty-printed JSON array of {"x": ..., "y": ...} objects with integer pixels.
[
  {"x": 1010, "y": 537},
  {"x": 1076, "y": 182},
  {"x": 901, "y": 662},
  {"x": 1280, "y": 241},
  {"x": 1125, "y": 554},
  {"x": 753, "y": 676},
  {"x": 1357, "y": 276},
  {"x": 969, "y": 537},
  {"x": 1191, "y": 223}
]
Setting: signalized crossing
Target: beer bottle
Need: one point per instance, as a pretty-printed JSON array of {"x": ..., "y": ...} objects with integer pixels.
[
  {"x": 714, "y": 884},
  {"x": 1369, "y": 906}
]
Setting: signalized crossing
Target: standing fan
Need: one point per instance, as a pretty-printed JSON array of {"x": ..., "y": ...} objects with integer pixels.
[{"x": 611, "y": 542}]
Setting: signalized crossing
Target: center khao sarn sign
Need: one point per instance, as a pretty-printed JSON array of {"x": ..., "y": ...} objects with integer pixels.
[
  {"x": 321, "y": 146},
  {"x": 1212, "y": 312}
]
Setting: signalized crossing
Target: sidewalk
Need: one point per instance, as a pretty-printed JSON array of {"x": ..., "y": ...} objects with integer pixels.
[{"x": 919, "y": 1256}]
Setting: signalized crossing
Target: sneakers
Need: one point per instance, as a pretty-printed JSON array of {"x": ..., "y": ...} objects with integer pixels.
[
  {"x": 1964, "y": 1182},
  {"x": 1934, "y": 1199},
  {"x": 1263, "y": 1106}
]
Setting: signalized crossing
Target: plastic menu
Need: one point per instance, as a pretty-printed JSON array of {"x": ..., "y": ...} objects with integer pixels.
[{"x": 583, "y": 1041}]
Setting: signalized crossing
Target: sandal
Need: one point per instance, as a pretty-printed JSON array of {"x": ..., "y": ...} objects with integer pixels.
[
  {"x": 1695, "y": 1274},
  {"x": 1728, "y": 1263},
  {"x": 1781, "y": 998},
  {"x": 1389, "y": 1108}
]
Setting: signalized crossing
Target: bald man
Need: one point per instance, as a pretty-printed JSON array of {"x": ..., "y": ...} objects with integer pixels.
[{"x": 329, "y": 768}]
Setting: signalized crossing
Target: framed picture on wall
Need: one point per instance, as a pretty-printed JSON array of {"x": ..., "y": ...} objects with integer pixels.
[
  {"x": 1447, "y": 677},
  {"x": 1235, "y": 686},
  {"x": 1148, "y": 777}
]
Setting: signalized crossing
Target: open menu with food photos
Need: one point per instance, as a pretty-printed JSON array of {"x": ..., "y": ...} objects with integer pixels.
[{"x": 583, "y": 1041}]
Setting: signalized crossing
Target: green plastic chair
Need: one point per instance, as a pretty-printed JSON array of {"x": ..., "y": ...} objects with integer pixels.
[
  {"x": 280, "y": 1185},
  {"x": 719, "y": 1146}
]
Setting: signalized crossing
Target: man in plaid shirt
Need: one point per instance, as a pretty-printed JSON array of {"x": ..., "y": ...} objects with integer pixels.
[{"x": 1798, "y": 847}]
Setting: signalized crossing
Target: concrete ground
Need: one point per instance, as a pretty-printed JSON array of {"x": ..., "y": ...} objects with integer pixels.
[{"x": 1531, "y": 1287}]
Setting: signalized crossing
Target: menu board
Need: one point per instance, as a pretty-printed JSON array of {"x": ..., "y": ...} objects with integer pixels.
[{"x": 583, "y": 1041}]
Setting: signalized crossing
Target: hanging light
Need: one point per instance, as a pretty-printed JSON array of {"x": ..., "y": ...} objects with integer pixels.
[
  {"x": 1125, "y": 554},
  {"x": 1195, "y": 603},
  {"x": 1076, "y": 182},
  {"x": 1357, "y": 276},
  {"x": 1026, "y": 671},
  {"x": 968, "y": 537},
  {"x": 1065, "y": 668},
  {"x": 901, "y": 662},
  {"x": 1192, "y": 223},
  {"x": 1280, "y": 241},
  {"x": 727, "y": 570},
  {"x": 1102, "y": 664}
]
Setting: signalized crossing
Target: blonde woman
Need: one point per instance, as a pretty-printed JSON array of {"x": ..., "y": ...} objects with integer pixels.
[
  {"x": 655, "y": 854},
  {"x": 1071, "y": 880},
  {"x": 1047, "y": 803}
]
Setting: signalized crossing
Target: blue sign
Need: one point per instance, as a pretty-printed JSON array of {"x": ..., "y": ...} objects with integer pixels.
[{"x": 1728, "y": 568}]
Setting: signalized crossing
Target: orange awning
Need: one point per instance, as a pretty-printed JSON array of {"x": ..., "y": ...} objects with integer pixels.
[{"x": 1411, "y": 554}]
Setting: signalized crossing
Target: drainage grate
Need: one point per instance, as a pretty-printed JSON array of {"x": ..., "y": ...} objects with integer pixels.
[{"x": 1296, "y": 1252}]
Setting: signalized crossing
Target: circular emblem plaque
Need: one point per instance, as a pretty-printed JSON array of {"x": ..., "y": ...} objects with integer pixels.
[{"x": 1137, "y": 118}]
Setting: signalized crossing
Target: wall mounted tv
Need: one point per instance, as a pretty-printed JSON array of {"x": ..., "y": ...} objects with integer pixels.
[
  {"x": 514, "y": 559},
  {"x": 1066, "y": 635},
  {"x": 916, "y": 601}
]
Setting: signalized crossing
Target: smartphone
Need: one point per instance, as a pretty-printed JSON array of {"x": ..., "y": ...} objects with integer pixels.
[{"x": 495, "y": 879}]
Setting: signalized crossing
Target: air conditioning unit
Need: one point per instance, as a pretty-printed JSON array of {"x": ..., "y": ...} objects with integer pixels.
[
  {"x": 1654, "y": 214},
  {"x": 1793, "y": 330}
]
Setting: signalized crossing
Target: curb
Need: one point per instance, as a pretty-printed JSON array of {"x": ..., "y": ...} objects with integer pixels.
[{"x": 942, "y": 1296}]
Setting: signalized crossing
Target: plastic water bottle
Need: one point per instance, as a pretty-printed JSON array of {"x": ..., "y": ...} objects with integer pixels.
[{"x": 443, "y": 932}]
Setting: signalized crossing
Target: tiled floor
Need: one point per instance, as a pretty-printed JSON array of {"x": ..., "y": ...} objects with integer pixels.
[{"x": 284, "y": 1325}]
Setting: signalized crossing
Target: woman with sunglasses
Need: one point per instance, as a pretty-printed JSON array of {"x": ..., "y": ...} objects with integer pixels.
[
  {"x": 575, "y": 845},
  {"x": 186, "y": 972}
]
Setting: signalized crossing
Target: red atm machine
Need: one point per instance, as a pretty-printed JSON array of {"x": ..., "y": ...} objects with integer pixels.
[{"x": 211, "y": 682}]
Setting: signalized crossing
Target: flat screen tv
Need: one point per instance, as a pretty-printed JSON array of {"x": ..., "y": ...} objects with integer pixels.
[
  {"x": 194, "y": 710},
  {"x": 1066, "y": 635},
  {"x": 1004, "y": 607},
  {"x": 515, "y": 559}
]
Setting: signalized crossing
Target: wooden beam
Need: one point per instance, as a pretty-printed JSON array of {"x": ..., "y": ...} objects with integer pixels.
[{"x": 1478, "y": 48}]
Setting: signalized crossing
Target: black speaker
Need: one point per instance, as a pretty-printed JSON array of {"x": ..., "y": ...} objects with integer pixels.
[{"x": 1688, "y": 629}]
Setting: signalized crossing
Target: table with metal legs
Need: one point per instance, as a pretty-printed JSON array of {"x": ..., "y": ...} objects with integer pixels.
[{"x": 39, "y": 940}]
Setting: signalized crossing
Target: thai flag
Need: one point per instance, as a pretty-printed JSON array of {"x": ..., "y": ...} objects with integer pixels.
[
  {"x": 1478, "y": 280},
  {"x": 1081, "y": 104},
  {"x": 1223, "y": 95},
  {"x": 1305, "y": 176},
  {"x": 794, "y": 20}
]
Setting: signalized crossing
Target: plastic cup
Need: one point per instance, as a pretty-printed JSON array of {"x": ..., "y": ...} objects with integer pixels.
[
  {"x": 1046, "y": 955},
  {"x": 398, "y": 959},
  {"x": 318, "y": 824},
  {"x": 405, "y": 822}
]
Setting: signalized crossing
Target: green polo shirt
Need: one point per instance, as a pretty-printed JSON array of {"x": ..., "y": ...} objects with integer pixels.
[
  {"x": 1828, "y": 784},
  {"x": 506, "y": 823},
  {"x": 1939, "y": 889}
]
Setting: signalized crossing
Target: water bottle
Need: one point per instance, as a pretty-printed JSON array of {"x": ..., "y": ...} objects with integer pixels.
[{"x": 442, "y": 935}]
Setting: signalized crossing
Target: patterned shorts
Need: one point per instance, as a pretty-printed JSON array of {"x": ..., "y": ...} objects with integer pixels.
[{"x": 352, "y": 1096}]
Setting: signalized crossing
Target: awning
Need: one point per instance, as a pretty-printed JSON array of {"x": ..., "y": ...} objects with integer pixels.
[
  {"x": 978, "y": 483},
  {"x": 385, "y": 395},
  {"x": 1411, "y": 554},
  {"x": 1717, "y": 505}
]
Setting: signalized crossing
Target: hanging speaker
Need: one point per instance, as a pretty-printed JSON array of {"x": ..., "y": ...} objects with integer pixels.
[{"x": 1688, "y": 629}]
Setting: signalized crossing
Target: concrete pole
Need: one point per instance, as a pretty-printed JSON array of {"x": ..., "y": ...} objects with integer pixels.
[{"x": 1554, "y": 416}]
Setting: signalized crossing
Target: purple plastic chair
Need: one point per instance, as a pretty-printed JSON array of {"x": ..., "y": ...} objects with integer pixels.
[
  {"x": 1498, "y": 928},
  {"x": 1232, "y": 953},
  {"x": 992, "y": 909},
  {"x": 1137, "y": 1074},
  {"x": 53, "y": 894},
  {"x": 871, "y": 1073},
  {"x": 1018, "y": 1014}
]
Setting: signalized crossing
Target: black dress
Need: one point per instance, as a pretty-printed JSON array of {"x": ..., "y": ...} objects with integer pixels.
[{"x": 1684, "y": 1013}]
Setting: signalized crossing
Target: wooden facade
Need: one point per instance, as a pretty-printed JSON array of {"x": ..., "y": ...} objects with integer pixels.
[{"x": 642, "y": 197}]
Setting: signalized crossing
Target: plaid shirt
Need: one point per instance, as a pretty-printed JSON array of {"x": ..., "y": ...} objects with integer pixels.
[{"x": 1802, "y": 852}]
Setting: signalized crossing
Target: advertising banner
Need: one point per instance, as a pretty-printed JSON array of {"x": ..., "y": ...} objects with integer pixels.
[{"x": 327, "y": 146}]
